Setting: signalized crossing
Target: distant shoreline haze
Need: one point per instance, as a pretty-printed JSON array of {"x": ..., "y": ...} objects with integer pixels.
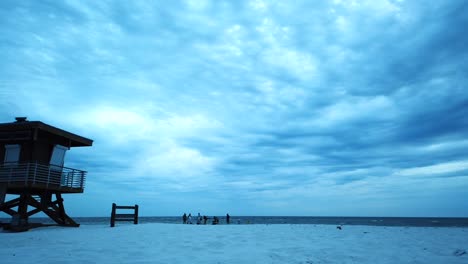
[{"x": 312, "y": 220}]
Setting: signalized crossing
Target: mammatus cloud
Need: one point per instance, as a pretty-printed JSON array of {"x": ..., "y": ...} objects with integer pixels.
[{"x": 255, "y": 107}]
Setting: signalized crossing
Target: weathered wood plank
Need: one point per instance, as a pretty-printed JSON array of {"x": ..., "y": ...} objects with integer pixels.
[
  {"x": 124, "y": 215},
  {"x": 124, "y": 207}
]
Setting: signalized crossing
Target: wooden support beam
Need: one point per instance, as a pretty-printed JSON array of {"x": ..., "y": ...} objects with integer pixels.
[
  {"x": 7, "y": 207},
  {"x": 3, "y": 192},
  {"x": 10, "y": 203},
  {"x": 50, "y": 213},
  {"x": 23, "y": 210},
  {"x": 53, "y": 209},
  {"x": 124, "y": 207},
  {"x": 135, "y": 220},
  {"x": 114, "y": 207},
  {"x": 35, "y": 211},
  {"x": 60, "y": 212},
  {"x": 9, "y": 211},
  {"x": 46, "y": 198}
]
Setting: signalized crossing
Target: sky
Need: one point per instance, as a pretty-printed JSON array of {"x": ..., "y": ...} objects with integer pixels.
[{"x": 301, "y": 108}]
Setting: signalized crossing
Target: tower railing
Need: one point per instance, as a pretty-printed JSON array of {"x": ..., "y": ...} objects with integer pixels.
[{"x": 32, "y": 173}]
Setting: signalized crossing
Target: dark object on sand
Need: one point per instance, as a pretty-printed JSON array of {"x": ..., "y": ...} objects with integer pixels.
[
  {"x": 133, "y": 217},
  {"x": 32, "y": 168}
]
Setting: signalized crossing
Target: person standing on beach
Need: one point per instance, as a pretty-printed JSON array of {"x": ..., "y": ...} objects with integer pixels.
[
  {"x": 228, "y": 218},
  {"x": 199, "y": 219},
  {"x": 189, "y": 219},
  {"x": 184, "y": 218}
]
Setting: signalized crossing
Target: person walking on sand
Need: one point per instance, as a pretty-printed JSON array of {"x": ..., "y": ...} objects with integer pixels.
[
  {"x": 184, "y": 218},
  {"x": 228, "y": 218}
]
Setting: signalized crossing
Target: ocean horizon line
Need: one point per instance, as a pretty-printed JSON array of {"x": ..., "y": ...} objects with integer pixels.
[
  {"x": 308, "y": 220},
  {"x": 276, "y": 216}
]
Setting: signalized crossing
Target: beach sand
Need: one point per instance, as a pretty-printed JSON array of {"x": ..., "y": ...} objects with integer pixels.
[{"x": 177, "y": 243}]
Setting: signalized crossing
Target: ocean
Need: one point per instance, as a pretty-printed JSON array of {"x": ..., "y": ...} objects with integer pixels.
[{"x": 311, "y": 220}]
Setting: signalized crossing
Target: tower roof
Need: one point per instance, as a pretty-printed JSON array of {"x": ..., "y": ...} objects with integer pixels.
[{"x": 23, "y": 129}]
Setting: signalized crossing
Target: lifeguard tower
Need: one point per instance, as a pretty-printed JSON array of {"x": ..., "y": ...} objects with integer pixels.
[{"x": 32, "y": 170}]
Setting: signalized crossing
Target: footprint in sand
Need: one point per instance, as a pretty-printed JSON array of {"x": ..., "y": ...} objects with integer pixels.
[{"x": 459, "y": 252}]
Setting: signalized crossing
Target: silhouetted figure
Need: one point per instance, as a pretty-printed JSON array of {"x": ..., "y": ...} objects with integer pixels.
[
  {"x": 228, "y": 218},
  {"x": 189, "y": 219},
  {"x": 205, "y": 219},
  {"x": 215, "y": 220},
  {"x": 199, "y": 219},
  {"x": 184, "y": 218}
]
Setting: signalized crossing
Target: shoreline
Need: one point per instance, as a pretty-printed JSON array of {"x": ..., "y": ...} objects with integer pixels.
[{"x": 314, "y": 220}]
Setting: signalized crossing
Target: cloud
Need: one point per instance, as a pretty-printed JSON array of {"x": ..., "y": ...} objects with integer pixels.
[
  {"x": 436, "y": 169},
  {"x": 171, "y": 160},
  {"x": 348, "y": 106}
]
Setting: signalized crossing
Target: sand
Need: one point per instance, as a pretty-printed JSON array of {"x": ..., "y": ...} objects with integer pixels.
[{"x": 177, "y": 243}]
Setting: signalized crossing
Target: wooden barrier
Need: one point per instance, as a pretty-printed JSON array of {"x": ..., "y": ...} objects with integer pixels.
[{"x": 124, "y": 217}]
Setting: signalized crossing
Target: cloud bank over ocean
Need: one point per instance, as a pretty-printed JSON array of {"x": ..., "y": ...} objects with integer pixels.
[{"x": 252, "y": 107}]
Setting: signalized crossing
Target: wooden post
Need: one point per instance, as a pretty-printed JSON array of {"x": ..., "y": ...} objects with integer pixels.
[
  {"x": 112, "y": 223},
  {"x": 3, "y": 192},
  {"x": 135, "y": 221},
  {"x": 20, "y": 218},
  {"x": 61, "y": 211}
]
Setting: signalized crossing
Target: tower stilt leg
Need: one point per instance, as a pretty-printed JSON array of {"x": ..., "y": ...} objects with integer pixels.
[{"x": 55, "y": 210}]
